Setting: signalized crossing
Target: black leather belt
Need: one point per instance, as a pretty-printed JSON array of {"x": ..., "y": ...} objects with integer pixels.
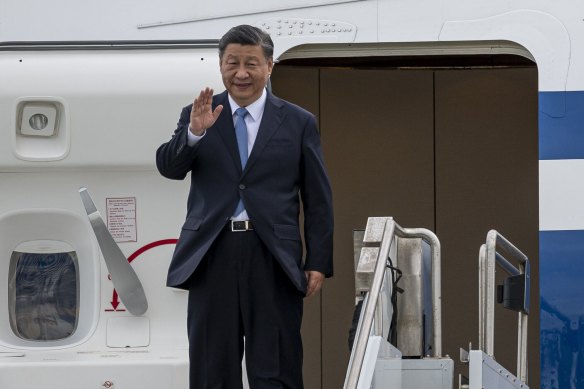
[{"x": 239, "y": 226}]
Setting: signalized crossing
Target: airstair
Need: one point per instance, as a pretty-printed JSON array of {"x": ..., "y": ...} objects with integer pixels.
[{"x": 398, "y": 339}]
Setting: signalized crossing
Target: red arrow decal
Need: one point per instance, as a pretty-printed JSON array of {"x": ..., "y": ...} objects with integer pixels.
[{"x": 115, "y": 299}]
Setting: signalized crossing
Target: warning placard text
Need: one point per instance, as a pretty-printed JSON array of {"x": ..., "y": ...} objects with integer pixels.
[{"x": 121, "y": 218}]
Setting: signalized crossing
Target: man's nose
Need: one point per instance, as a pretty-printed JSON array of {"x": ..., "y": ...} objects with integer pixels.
[{"x": 241, "y": 72}]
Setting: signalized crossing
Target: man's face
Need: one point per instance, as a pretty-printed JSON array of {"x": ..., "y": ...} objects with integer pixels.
[{"x": 245, "y": 71}]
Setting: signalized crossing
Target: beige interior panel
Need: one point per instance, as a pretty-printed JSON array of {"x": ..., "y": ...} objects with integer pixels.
[
  {"x": 377, "y": 134},
  {"x": 451, "y": 150},
  {"x": 486, "y": 177}
]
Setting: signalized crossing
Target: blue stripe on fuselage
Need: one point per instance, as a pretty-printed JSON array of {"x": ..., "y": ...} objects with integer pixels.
[
  {"x": 561, "y": 269},
  {"x": 561, "y": 125}
]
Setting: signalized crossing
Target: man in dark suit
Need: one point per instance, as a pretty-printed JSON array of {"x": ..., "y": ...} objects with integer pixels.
[{"x": 251, "y": 156}]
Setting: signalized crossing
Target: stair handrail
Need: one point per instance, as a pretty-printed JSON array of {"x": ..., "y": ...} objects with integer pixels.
[
  {"x": 489, "y": 257},
  {"x": 380, "y": 233}
]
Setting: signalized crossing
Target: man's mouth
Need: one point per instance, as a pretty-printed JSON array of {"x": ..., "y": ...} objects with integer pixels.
[{"x": 241, "y": 86}]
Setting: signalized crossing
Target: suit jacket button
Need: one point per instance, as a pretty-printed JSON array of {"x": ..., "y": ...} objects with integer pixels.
[{"x": 241, "y": 186}]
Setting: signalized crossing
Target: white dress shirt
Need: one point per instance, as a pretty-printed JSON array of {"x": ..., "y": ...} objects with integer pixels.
[{"x": 252, "y": 121}]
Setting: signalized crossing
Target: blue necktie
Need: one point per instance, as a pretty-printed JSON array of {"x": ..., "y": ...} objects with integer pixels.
[{"x": 241, "y": 134}]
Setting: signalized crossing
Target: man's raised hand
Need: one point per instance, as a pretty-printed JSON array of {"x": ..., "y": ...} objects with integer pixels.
[{"x": 202, "y": 115}]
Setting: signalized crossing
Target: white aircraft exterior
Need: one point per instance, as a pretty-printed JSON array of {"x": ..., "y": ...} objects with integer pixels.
[{"x": 109, "y": 79}]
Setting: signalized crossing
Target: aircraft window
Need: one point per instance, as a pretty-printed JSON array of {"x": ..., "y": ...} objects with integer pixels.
[{"x": 43, "y": 291}]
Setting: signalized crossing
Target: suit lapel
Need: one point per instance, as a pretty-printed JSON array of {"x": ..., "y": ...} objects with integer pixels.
[
  {"x": 271, "y": 121},
  {"x": 224, "y": 126}
]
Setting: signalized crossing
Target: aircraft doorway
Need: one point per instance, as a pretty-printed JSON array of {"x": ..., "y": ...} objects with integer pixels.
[{"x": 448, "y": 144}]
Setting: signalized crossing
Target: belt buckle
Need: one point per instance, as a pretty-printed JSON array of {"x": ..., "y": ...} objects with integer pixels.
[{"x": 240, "y": 226}]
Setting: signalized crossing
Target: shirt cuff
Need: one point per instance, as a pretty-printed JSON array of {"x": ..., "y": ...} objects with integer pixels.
[{"x": 193, "y": 139}]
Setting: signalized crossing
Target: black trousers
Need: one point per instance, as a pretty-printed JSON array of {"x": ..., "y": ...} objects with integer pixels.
[{"x": 239, "y": 290}]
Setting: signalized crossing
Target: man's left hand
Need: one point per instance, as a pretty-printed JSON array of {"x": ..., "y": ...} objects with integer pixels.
[{"x": 315, "y": 279}]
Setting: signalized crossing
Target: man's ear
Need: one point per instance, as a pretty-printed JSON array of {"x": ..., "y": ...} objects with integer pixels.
[{"x": 270, "y": 65}]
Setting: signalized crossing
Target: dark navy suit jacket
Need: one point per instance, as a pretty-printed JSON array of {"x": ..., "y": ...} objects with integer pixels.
[{"x": 285, "y": 164}]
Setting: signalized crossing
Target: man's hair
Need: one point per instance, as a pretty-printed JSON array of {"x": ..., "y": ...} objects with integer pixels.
[{"x": 247, "y": 35}]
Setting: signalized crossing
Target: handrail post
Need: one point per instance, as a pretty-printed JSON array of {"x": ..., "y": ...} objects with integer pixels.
[
  {"x": 482, "y": 296},
  {"x": 431, "y": 238},
  {"x": 488, "y": 259}
]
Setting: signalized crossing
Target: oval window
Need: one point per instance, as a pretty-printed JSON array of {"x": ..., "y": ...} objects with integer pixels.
[{"x": 43, "y": 290}]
